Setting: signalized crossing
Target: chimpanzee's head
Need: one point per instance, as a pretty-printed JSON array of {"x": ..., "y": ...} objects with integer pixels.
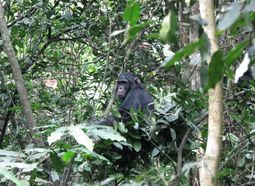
[{"x": 126, "y": 81}]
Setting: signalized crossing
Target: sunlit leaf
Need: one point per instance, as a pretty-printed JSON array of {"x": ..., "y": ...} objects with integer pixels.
[
  {"x": 249, "y": 156},
  {"x": 54, "y": 176},
  {"x": 37, "y": 153},
  {"x": 243, "y": 67},
  {"x": 81, "y": 137},
  {"x": 13, "y": 178},
  {"x": 24, "y": 166},
  {"x": 231, "y": 16},
  {"x": 122, "y": 127},
  {"x": 117, "y": 32},
  {"x": 56, "y": 135},
  {"x": 249, "y": 7},
  {"x": 11, "y": 153},
  {"x": 155, "y": 152},
  {"x": 107, "y": 133},
  {"x": 118, "y": 145},
  {"x": 108, "y": 181}
]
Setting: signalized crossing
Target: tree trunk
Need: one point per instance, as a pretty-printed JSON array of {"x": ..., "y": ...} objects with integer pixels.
[
  {"x": 18, "y": 77},
  {"x": 210, "y": 161}
]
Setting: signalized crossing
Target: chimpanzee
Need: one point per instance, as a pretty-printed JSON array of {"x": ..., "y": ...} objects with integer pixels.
[{"x": 132, "y": 96}]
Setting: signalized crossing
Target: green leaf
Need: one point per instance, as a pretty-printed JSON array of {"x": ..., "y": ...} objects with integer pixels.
[
  {"x": 91, "y": 68},
  {"x": 169, "y": 29},
  {"x": 215, "y": 70},
  {"x": 132, "y": 12},
  {"x": 132, "y": 31},
  {"x": 137, "y": 146},
  {"x": 234, "y": 53},
  {"x": 56, "y": 162},
  {"x": 204, "y": 74},
  {"x": 115, "y": 112},
  {"x": 186, "y": 51},
  {"x": 67, "y": 157},
  {"x": 225, "y": 172}
]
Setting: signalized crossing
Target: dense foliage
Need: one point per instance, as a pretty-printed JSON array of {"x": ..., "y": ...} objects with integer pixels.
[{"x": 71, "y": 53}]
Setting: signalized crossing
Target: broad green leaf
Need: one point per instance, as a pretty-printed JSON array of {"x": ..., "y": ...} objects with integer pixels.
[
  {"x": 67, "y": 157},
  {"x": 186, "y": 51},
  {"x": 116, "y": 156},
  {"x": 91, "y": 68},
  {"x": 115, "y": 113},
  {"x": 231, "y": 16},
  {"x": 57, "y": 163},
  {"x": 81, "y": 137},
  {"x": 132, "y": 12},
  {"x": 169, "y": 29},
  {"x": 7, "y": 174},
  {"x": 225, "y": 173},
  {"x": 86, "y": 153},
  {"x": 132, "y": 31},
  {"x": 233, "y": 54},
  {"x": 215, "y": 70},
  {"x": 137, "y": 146}
]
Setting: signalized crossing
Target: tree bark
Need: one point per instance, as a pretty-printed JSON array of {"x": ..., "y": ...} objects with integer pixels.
[
  {"x": 210, "y": 161},
  {"x": 22, "y": 92}
]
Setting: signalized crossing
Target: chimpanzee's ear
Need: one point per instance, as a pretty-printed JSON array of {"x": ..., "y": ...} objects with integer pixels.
[{"x": 137, "y": 81}]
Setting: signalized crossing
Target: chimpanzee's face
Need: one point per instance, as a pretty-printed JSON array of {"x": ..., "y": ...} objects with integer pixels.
[{"x": 123, "y": 86}]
